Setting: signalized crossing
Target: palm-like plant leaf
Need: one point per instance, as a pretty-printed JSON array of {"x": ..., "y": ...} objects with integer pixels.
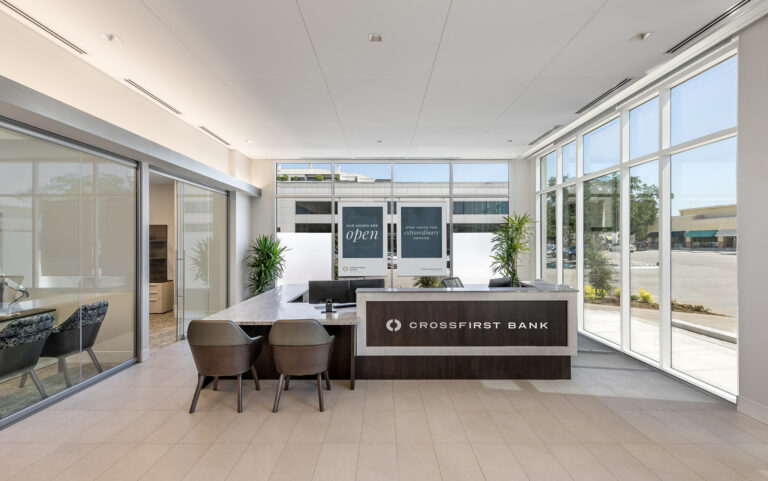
[
  {"x": 508, "y": 244},
  {"x": 266, "y": 263}
]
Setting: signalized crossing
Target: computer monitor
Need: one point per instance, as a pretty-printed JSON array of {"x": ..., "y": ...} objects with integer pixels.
[
  {"x": 356, "y": 284},
  {"x": 500, "y": 282},
  {"x": 321, "y": 291}
]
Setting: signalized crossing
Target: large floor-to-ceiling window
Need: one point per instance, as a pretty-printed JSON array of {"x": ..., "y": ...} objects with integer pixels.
[
  {"x": 475, "y": 197},
  {"x": 654, "y": 182},
  {"x": 67, "y": 267}
]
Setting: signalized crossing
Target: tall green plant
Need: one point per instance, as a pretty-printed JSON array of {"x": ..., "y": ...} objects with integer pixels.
[
  {"x": 510, "y": 241},
  {"x": 266, "y": 263}
]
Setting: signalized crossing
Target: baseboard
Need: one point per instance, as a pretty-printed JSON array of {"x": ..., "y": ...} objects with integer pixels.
[
  {"x": 109, "y": 357},
  {"x": 144, "y": 355},
  {"x": 753, "y": 409}
]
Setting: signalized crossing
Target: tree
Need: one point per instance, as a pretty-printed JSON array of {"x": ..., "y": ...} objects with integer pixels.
[{"x": 643, "y": 207}]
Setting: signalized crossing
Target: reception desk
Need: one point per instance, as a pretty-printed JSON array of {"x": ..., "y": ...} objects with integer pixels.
[{"x": 473, "y": 332}]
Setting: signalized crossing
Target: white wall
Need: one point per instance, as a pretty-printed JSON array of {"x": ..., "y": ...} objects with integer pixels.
[
  {"x": 263, "y": 177},
  {"x": 162, "y": 211},
  {"x": 521, "y": 200},
  {"x": 753, "y": 221},
  {"x": 240, "y": 228}
]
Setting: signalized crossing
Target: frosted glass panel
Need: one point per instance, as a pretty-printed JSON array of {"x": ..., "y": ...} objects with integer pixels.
[
  {"x": 308, "y": 256},
  {"x": 472, "y": 257}
]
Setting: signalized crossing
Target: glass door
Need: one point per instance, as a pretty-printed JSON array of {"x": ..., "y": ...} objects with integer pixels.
[{"x": 201, "y": 256}]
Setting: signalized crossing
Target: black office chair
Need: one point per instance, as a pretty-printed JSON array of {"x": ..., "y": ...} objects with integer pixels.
[
  {"x": 452, "y": 282},
  {"x": 78, "y": 333},
  {"x": 500, "y": 282},
  {"x": 21, "y": 343}
]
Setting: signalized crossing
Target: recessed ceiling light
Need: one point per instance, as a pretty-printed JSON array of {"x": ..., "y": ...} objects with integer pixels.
[
  {"x": 375, "y": 37},
  {"x": 510, "y": 140},
  {"x": 644, "y": 35},
  {"x": 379, "y": 141},
  {"x": 108, "y": 37},
  {"x": 250, "y": 141}
]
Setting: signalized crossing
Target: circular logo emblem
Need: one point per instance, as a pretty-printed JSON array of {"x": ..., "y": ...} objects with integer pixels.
[{"x": 393, "y": 325}]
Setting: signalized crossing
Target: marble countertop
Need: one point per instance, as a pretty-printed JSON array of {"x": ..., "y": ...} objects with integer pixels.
[
  {"x": 266, "y": 308},
  {"x": 529, "y": 287}
]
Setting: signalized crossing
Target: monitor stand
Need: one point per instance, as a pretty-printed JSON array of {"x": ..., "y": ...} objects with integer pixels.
[{"x": 328, "y": 307}]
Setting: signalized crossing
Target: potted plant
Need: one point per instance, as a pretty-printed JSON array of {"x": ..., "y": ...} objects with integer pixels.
[
  {"x": 265, "y": 262},
  {"x": 508, "y": 244},
  {"x": 426, "y": 282}
]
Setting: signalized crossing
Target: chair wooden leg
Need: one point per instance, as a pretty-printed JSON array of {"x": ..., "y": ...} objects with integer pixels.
[
  {"x": 239, "y": 393},
  {"x": 96, "y": 362},
  {"x": 256, "y": 378},
  {"x": 277, "y": 394},
  {"x": 327, "y": 380},
  {"x": 23, "y": 380},
  {"x": 200, "y": 381},
  {"x": 287, "y": 382},
  {"x": 320, "y": 391},
  {"x": 39, "y": 386},
  {"x": 215, "y": 383},
  {"x": 63, "y": 368}
]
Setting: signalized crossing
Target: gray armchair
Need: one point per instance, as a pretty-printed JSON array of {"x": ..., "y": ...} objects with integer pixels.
[
  {"x": 21, "y": 343},
  {"x": 221, "y": 348},
  {"x": 301, "y": 347}
]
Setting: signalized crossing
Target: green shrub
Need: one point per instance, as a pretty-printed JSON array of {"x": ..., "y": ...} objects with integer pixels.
[
  {"x": 645, "y": 296},
  {"x": 426, "y": 282}
]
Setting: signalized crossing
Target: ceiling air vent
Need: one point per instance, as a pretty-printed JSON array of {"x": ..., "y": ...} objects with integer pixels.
[
  {"x": 698, "y": 33},
  {"x": 213, "y": 135},
  {"x": 151, "y": 95},
  {"x": 544, "y": 134},
  {"x": 42, "y": 27},
  {"x": 603, "y": 96}
]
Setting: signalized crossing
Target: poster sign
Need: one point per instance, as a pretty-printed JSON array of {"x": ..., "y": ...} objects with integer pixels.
[
  {"x": 362, "y": 240},
  {"x": 421, "y": 239}
]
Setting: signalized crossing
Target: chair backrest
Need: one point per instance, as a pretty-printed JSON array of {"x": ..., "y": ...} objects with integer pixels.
[
  {"x": 85, "y": 315},
  {"x": 216, "y": 333},
  {"x": 298, "y": 332},
  {"x": 500, "y": 282},
  {"x": 26, "y": 330},
  {"x": 22, "y": 341},
  {"x": 452, "y": 282}
]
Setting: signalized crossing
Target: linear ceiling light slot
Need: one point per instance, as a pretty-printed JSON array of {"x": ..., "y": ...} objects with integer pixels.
[
  {"x": 214, "y": 135},
  {"x": 556, "y": 127},
  {"x": 603, "y": 96},
  {"x": 43, "y": 27},
  {"x": 698, "y": 33},
  {"x": 151, "y": 95}
]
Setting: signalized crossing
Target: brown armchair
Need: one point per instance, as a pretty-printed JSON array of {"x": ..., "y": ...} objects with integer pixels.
[
  {"x": 301, "y": 347},
  {"x": 221, "y": 348}
]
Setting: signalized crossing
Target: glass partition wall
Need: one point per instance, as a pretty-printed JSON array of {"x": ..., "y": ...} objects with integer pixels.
[
  {"x": 67, "y": 267},
  {"x": 475, "y": 197},
  {"x": 647, "y": 226}
]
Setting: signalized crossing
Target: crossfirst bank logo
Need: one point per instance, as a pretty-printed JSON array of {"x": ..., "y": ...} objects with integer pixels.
[{"x": 394, "y": 325}]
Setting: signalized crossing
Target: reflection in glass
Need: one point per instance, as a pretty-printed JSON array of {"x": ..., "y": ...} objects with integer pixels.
[
  {"x": 569, "y": 236},
  {"x": 706, "y": 103},
  {"x": 363, "y": 179},
  {"x": 421, "y": 179},
  {"x": 548, "y": 165},
  {"x": 68, "y": 239},
  {"x": 602, "y": 147},
  {"x": 569, "y": 161},
  {"x": 304, "y": 178},
  {"x": 602, "y": 261},
  {"x": 549, "y": 239},
  {"x": 644, "y": 259},
  {"x": 481, "y": 179},
  {"x": 704, "y": 262},
  {"x": 644, "y": 129}
]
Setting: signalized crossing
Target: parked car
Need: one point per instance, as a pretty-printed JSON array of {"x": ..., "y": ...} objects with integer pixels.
[
  {"x": 641, "y": 246},
  {"x": 570, "y": 252},
  {"x": 617, "y": 247}
]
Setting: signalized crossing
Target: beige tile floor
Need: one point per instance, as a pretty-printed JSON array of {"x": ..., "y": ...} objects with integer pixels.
[{"x": 615, "y": 420}]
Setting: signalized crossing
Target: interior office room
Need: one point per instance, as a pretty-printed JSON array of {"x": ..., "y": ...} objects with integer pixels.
[{"x": 366, "y": 240}]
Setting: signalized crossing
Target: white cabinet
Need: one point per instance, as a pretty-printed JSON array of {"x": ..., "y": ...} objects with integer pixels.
[{"x": 160, "y": 297}]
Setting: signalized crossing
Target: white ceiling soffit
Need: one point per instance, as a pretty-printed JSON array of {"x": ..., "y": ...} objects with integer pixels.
[{"x": 451, "y": 78}]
